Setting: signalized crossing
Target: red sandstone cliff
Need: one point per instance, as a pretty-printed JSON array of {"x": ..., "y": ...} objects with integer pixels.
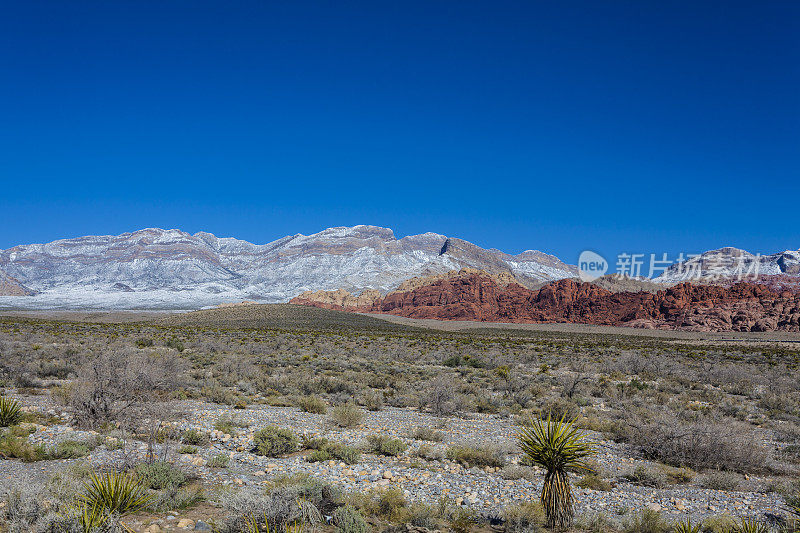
[{"x": 741, "y": 307}]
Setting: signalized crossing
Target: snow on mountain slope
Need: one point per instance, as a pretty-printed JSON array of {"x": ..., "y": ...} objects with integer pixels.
[
  {"x": 155, "y": 268},
  {"x": 732, "y": 263}
]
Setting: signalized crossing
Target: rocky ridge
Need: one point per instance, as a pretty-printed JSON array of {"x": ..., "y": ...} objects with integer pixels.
[
  {"x": 155, "y": 268},
  {"x": 470, "y": 296}
]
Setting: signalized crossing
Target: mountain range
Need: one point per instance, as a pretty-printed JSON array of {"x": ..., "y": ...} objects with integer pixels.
[{"x": 171, "y": 269}]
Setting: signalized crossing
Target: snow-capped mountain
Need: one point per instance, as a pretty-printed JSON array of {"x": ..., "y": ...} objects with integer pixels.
[
  {"x": 731, "y": 264},
  {"x": 155, "y": 268}
]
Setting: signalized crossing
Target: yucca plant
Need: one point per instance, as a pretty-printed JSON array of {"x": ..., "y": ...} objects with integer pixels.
[
  {"x": 687, "y": 527},
  {"x": 90, "y": 517},
  {"x": 10, "y": 412},
  {"x": 748, "y": 525},
  {"x": 559, "y": 447},
  {"x": 116, "y": 492}
]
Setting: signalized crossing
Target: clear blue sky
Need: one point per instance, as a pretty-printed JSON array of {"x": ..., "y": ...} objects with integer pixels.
[{"x": 616, "y": 126}]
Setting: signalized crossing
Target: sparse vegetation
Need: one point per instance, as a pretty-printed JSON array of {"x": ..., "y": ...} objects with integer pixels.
[
  {"x": 720, "y": 417},
  {"x": 273, "y": 441}
]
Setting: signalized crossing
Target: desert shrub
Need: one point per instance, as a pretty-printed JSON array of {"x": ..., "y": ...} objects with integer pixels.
[
  {"x": 475, "y": 455},
  {"x": 719, "y": 524},
  {"x": 429, "y": 434},
  {"x": 194, "y": 437},
  {"x": 348, "y": 520},
  {"x": 648, "y": 521},
  {"x": 185, "y": 449},
  {"x": 428, "y": 452},
  {"x": 558, "y": 408},
  {"x": 678, "y": 476},
  {"x": 325, "y": 450},
  {"x": 159, "y": 475},
  {"x": 596, "y": 523},
  {"x": 373, "y": 400},
  {"x": 228, "y": 424},
  {"x": 10, "y": 412},
  {"x": 144, "y": 342},
  {"x": 175, "y": 343},
  {"x": 461, "y": 520},
  {"x": 220, "y": 460},
  {"x": 525, "y": 517},
  {"x": 385, "y": 445},
  {"x": 119, "y": 382},
  {"x": 647, "y": 477},
  {"x": 19, "y": 448},
  {"x": 347, "y": 416},
  {"x": 273, "y": 441},
  {"x": 594, "y": 482},
  {"x": 518, "y": 472},
  {"x": 720, "y": 480},
  {"x": 219, "y": 395},
  {"x": 282, "y": 509},
  {"x": 70, "y": 449},
  {"x": 441, "y": 396},
  {"x": 172, "y": 498},
  {"x": 392, "y": 505},
  {"x": 312, "y": 404},
  {"x": 703, "y": 444}
]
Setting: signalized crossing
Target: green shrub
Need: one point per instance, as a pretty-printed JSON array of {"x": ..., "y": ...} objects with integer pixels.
[
  {"x": 347, "y": 416},
  {"x": 325, "y": 450},
  {"x": 187, "y": 449},
  {"x": 228, "y": 424},
  {"x": 429, "y": 434},
  {"x": 348, "y": 520},
  {"x": 19, "y": 448},
  {"x": 174, "y": 343},
  {"x": 10, "y": 412},
  {"x": 159, "y": 475},
  {"x": 312, "y": 404},
  {"x": 194, "y": 437},
  {"x": 70, "y": 449},
  {"x": 220, "y": 460},
  {"x": 392, "y": 505},
  {"x": 317, "y": 456},
  {"x": 273, "y": 441},
  {"x": 385, "y": 445},
  {"x": 474, "y": 456}
]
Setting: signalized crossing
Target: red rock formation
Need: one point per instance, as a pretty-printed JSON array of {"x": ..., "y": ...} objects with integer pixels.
[{"x": 741, "y": 307}]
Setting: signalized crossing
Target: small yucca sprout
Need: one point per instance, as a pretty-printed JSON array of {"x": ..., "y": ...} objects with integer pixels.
[
  {"x": 116, "y": 492},
  {"x": 559, "y": 447},
  {"x": 10, "y": 412},
  {"x": 748, "y": 525},
  {"x": 687, "y": 527}
]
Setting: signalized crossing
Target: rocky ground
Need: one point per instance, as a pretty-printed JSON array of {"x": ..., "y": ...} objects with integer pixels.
[{"x": 486, "y": 490}]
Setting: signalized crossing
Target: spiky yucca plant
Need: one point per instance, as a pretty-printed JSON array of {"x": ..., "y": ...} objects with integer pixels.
[
  {"x": 748, "y": 525},
  {"x": 116, "y": 492},
  {"x": 687, "y": 527},
  {"x": 10, "y": 412},
  {"x": 559, "y": 447}
]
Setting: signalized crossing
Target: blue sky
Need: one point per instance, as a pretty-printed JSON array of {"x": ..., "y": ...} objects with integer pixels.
[{"x": 614, "y": 126}]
